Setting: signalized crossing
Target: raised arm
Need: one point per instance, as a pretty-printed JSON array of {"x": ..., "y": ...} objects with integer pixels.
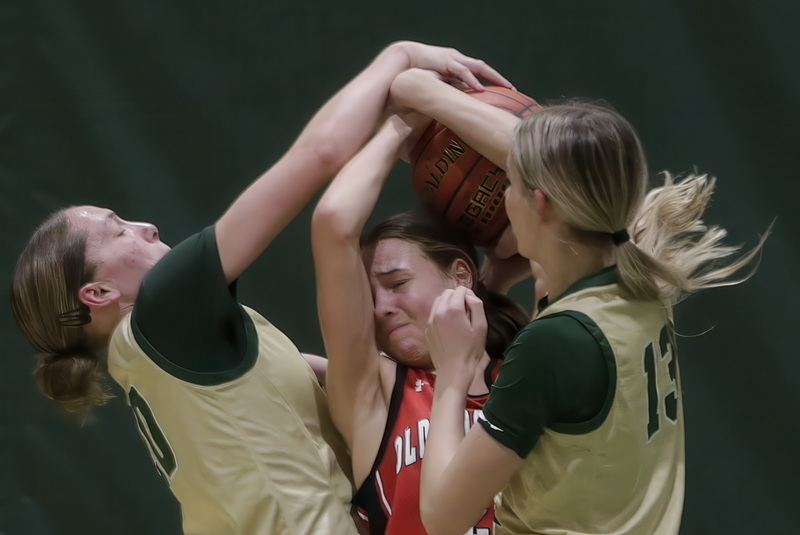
[
  {"x": 487, "y": 129},
  {"x": 332, "y": 136},
  {"x": 344, "y": 298},
  {"x": 460, "y": 474}
]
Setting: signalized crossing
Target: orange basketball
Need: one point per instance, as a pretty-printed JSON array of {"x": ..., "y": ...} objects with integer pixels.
[{"x": 452, "y": 180}]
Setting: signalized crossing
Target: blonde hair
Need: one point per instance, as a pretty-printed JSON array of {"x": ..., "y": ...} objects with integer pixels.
[
  {"x": 44, "y": 298},
  {"x": 588, "y": 160}
]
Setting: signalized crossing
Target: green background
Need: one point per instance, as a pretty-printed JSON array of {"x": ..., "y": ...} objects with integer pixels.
[{"x": 165, "y": 110}]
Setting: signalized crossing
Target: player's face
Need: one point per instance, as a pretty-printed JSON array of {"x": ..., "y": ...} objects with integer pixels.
[
  {"x": 520, "y": 208},
  {"x": 404, "y": 285},
  {"x": 121, "y": 251}
]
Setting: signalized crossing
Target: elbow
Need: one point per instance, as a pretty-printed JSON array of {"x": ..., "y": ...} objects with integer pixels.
[
  {"x": 322, "y": 149},
  {"x": 329, "y": 153},
  {"x": 428, "y": 518},
  {"x": 330, "y": 225}
]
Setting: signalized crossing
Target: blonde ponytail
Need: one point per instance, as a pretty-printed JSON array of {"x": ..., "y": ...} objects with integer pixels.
[
  {"x": 675, "y": 253},
  {"x": 589, "y": 162}
]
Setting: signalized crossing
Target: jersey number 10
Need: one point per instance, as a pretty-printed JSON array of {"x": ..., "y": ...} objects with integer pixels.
[{"x": 159, "y": 447}]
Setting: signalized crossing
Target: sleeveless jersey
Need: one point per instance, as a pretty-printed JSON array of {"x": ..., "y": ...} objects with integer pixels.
[
  {"x": 249, "y": 451},
  {"x": 626, "y": 474},
  {"x": 388, "y": 500}
]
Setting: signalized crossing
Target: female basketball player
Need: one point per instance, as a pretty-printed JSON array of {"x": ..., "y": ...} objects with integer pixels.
[
  {"x": 234, "y": 417},
  {"x": 583, "y": 429},
  {"x": 374, "y": 298}
]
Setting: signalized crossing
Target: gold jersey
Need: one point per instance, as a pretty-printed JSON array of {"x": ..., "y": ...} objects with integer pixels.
[
  {"x": 250, "y": 451},
  {"x": 626, "y": 474}
]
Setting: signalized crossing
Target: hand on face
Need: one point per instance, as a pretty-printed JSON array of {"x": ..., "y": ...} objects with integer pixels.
[{"x": 456, "y": 334}]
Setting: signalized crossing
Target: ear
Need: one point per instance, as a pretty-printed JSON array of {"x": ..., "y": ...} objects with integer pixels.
[
  {"x": 543, "y": 206},
  {"x": 462, "y": 273},
  {"x": 98, "y": 294}
]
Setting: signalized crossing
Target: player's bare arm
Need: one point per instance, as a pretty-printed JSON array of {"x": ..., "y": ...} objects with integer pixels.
[
  {"x": 487, "y": 129},
  {"x": 324, "y": 146},
  {"x": 450, "y": 501},
  {"x": 358, "y": 397}
]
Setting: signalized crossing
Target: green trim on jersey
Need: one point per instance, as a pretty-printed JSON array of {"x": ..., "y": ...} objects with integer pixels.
[
  {"x": 204, "y": 378},
  {"x": 611, "y": 366},
  {"x": 186, "y": 317},
  {"x": 557, "y": 374}
]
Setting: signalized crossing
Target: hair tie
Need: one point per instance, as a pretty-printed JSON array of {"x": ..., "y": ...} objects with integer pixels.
[{"x": 621, "y": 236}]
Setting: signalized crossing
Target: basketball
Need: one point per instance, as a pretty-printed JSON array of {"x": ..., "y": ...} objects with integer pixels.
[{"x": 454, "y": 181}]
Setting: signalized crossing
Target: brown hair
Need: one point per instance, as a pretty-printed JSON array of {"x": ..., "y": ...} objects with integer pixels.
[
  {"x": 589, "y": 162},
  {"x": 443, "y": 244},
  {"x": 44, "y": 298}
]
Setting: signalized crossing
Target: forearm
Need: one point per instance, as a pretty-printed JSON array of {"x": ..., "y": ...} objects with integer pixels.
[
  {"x": 331, "y": 137},
  {"x": 349, "y": 117},
  {"x": 457, "y": 482},
  {"x": 440, "y": 514},
  {"x": 487, "y": 129}
]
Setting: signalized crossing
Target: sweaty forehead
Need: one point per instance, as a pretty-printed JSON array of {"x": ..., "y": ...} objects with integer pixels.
[
  {"x": 89, "y": 214},
  {"x": 96, "y": 222},
  {"x": 392, "y": 255}
]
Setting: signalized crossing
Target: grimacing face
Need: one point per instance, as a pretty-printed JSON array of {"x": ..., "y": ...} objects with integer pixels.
[
  {"x": 404, "y": 285},
  {"x": 121, "y": 251}
]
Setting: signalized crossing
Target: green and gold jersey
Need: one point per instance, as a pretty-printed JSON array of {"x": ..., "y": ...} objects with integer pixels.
[
  {"x": 622, "y": 470},
  {"x": 247, "y": 447}
]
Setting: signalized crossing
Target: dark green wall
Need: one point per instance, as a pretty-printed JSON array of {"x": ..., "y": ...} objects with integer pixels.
[{"x": 164, "y": 110}]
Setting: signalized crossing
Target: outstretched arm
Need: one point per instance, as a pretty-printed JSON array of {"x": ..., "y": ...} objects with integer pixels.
[
  {"x": 344, "y": 298},
  {"x": 332, "y": 136},
  {"x": 486, "y": 129}
]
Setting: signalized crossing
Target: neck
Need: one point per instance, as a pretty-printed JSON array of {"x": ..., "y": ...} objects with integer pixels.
[
  {"x": 566, "y": 262},
  {"x": 104, "y": 320}
]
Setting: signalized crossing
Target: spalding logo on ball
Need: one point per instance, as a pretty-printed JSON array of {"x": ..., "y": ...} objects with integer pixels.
[{"x": 453, "y": 180}]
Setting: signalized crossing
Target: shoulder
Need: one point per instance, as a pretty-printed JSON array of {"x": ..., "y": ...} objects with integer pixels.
[
  {"x": 557, "y": 334},
  {"x": 195, "y": 254},
  {"x": 565, "y": 349}
]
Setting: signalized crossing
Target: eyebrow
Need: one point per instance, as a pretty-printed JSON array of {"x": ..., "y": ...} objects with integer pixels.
[{"x": 393, "y": 271}]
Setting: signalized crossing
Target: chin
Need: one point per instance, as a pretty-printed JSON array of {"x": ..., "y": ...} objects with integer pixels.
[{"x": 411, "y": 355}]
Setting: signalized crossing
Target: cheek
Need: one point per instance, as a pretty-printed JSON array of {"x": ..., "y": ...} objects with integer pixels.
[
  {"x": 133, "y": 258},
  {"x": 512, "y": 203},
  {"x": 517, "y": 209}
]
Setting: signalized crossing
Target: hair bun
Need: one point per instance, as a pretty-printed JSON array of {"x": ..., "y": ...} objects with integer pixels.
[{"x": 75, "y": 381}]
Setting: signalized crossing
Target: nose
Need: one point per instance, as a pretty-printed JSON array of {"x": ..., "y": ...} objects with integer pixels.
[
  {"x": 148, "y": 230},
  {"x": 384, "y": 303}
]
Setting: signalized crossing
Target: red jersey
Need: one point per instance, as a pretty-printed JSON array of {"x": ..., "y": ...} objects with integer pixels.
[{"x": 388, "y": 500}]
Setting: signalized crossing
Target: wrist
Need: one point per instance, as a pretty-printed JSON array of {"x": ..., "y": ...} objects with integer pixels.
[
  {"x": 457, "y": 379},
  {"x": 400, "y": 52}
]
